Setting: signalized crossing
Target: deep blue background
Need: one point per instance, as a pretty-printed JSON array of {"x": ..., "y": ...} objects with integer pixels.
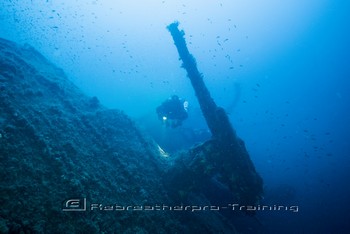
[{"x": 281, "y": 70}]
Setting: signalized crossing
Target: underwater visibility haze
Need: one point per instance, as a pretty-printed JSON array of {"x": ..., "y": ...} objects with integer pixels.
[{"x": 279, "y": 69}]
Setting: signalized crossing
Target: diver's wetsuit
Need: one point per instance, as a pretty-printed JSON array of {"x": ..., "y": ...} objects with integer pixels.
[{"x": 172, "y": 111}]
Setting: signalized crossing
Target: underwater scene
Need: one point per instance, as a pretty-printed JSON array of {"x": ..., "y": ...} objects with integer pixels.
[{"x": 174, "y": 116}]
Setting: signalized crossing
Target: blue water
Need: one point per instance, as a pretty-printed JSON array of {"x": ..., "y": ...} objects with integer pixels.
[{"x": 280, "y": 68}]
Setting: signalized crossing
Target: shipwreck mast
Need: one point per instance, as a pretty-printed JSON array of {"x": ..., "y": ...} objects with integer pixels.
[{"x": 225, "y": 154}]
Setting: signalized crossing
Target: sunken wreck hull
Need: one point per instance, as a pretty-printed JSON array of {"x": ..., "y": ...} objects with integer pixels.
[
  {"x": 225, "y": 156},
  {"x": 69, "y": 165}
]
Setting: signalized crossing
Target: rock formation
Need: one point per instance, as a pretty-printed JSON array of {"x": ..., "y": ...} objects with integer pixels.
[{"x": 57, "y": 144}]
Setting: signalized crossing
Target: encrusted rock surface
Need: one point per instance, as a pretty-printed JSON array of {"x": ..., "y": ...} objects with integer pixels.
[{"x": 57, "y": 144}]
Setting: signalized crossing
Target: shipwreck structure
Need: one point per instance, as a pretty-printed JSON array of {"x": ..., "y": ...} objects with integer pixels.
[
  {"x": 57, "y": 144},
  {"x": 224, "y": 157}
]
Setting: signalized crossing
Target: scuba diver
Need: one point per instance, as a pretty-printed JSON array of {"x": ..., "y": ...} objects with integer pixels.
[{"x": 173, "y": 111}]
